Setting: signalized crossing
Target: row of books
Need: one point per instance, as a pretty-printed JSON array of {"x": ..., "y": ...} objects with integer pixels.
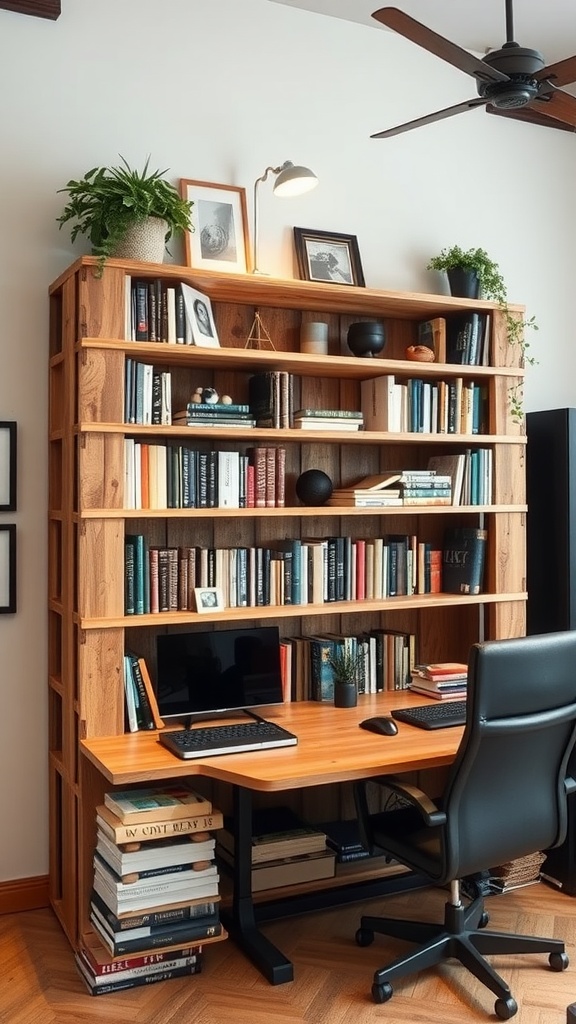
[
  {"x": 451, "y": 406},
  {"x": 141, "y": 705},
  {"x": 463, "y": 338},
  {"x": 147, "y": 394},
  {"x": 300, "y": 572},
  {"x": 155, "y": 897},
  {"x": 176, "y": 476},
  {"x": 413, "y": 487},
  {"x": 155, "y": 311}
]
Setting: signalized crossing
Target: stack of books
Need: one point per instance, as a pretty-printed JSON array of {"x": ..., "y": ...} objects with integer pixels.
[
  {"x": 271, "y": 398},
  {"x": 425, "y": 487},
  {"x": 515, "y": 874},
  {"x": 155, "y": 897},
  {"x": 285, "y": 849},
  {"x": 440, "y": 680},
  {"x": 327, "y": 419},
  {"x": 198, "y": 414},
  {"x": 370, "y": 492}
]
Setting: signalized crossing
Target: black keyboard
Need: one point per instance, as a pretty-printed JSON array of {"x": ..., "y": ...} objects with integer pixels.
[
  {"x": 433, "y": 716},
  {"x": 206, "y": 741}
]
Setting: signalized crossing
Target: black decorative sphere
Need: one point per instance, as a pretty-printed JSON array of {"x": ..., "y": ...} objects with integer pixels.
[
  {"x": 366, "y": 338},
  {"x": 313, "y": 487}
]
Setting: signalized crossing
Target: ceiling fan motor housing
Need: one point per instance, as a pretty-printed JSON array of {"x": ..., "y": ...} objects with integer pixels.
[{"x": 521, "y": 65}]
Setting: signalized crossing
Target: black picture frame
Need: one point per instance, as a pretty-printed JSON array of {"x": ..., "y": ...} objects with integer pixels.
[
  {"x": 8, "y": 481},
  {"x": 328, "y": 257},
  {"x": 7, "y": 568}
]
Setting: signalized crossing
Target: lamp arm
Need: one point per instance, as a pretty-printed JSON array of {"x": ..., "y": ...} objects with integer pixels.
[{"x": 263, "y": 177}]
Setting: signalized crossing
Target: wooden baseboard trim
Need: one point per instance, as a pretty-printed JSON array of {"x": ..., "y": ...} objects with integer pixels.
[{"x": 24, "y": 894}]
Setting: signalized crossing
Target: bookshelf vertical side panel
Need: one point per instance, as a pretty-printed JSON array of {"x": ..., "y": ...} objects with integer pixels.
[
  {"x": 102, "y": 302},
  {"x": 101, "y": 682},
  {"x": 100, "y": 386},
  {"x": 100, "y": 471},
  {"x": 101, "y": 568},
  {"x": 505, "y": 570}
]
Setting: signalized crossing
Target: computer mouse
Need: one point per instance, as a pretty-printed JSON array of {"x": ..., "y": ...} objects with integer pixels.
[{"x": 385, "y": 726}]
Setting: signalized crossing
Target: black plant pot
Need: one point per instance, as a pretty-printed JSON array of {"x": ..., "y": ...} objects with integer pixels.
[
  {"x": 345, "y": 695},
  {"x": 465, "y": 284},
  {"x": 366, "y": 338}
]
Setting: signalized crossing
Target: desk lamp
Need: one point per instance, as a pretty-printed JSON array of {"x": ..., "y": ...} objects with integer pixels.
[{"x": 291, "y": 180}]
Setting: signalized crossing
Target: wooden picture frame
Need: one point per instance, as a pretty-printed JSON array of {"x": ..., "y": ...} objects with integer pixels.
[
  {"x": 7, "y": 568},
  {"x": 208, "y": 599},
  {"x": 37, "y": 8},
  {"x": 328, "y": 257},
  {"x": 8, "y": 481},
  {"x": 219, "y": 236}
]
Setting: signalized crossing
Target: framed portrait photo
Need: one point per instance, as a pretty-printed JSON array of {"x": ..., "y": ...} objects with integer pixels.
[
  {"x": 7, "y": 569},
  {"x": 328, "y": 257},
  {"x": 219, "y": 239},
  {"x": 8, "y": 466},
  {"x": 200, "y": 326},
  {"x": 208, "y": 599}
]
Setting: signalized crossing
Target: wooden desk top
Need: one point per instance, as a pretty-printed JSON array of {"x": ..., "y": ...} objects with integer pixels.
[{"x": 331, "y": 748}]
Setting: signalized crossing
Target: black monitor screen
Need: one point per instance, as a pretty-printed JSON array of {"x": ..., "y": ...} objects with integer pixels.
[{"x": 220, "y": 670}]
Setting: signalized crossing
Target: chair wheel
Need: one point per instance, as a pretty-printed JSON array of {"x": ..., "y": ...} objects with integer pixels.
[
  {"x": 506, "y": 1008},
  {"x": 382, "y": 993},
  {"x": 364, "y": 937},
  {"x": 558, "y": 961},
  {"x": 484, "y": 919}
]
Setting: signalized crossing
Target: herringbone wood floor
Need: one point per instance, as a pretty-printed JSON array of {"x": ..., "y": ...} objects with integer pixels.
[{"x": 39, "y": 984}]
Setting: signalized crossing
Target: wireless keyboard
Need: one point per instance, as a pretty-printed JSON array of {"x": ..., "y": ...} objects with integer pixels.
[
  {"x": 433, "y": 716},
  {"x": 206, "y": 741}
]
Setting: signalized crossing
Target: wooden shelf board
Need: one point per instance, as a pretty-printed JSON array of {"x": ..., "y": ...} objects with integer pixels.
[
  {"x": 421, "y": 601},
  {"x": 305, "y": 364},
  {"x": 298, "y": 512}
]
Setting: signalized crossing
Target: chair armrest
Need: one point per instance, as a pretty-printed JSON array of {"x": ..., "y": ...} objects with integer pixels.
[{"x": 431, "y": 815}]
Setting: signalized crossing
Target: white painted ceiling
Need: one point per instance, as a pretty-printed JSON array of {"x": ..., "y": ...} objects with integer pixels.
[{"x": 549, "y": 27}]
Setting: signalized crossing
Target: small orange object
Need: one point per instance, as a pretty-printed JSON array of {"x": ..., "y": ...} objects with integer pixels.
[{"x": 420, "y": 353}]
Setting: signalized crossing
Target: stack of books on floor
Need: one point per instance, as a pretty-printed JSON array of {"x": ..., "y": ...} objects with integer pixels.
[
  {"x": 285, "y": 849},
  {"x": 372, "y": 491},
  {"x": 155, "y": 898},
  {"x": 327, "y": 419},
  {"x": 440, "y": 680},
  {"x": 197, "y": 414}
]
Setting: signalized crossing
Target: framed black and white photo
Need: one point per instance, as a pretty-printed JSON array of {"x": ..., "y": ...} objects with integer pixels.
[
  {"x": 219, "y": 236},
  {"x": 8, "y": 466},
  {"x": 200, "y": 326},
  {"x": 208, "y": 599},
  {"x": 329, "y": 257},
  {"x": 7, "y": 568}
]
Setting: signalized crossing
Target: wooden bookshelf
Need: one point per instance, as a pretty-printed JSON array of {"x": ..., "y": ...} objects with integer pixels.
[{"x": 88, "y": 629}]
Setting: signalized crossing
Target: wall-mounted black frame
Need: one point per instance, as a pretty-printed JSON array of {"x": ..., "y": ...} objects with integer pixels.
[
  {"x": 8, "y": 476},
  {"x": 7, "y": 568}
]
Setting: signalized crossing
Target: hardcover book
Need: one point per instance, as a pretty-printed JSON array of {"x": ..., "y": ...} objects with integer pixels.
[
  {"x": 463, "y": 560},
  {"x": 162, "y": 803}
]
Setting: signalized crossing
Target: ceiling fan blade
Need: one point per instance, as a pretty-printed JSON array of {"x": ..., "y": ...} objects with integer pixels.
[
  {"x": 395, "y": 19},
  {"x": 557, "y": 104},
  {"x": 561, "y": 73},
  {"x": 533, "y": 115},
  {"x": 439, "y": 115}
]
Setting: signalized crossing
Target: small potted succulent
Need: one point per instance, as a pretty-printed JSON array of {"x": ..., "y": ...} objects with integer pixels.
[
  {"x": 345, "y": 665},
  {"x": 114, "y": 206}
]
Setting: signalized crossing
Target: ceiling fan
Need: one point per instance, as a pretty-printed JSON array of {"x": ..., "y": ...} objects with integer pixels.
[{"x": 512, "y": 82}]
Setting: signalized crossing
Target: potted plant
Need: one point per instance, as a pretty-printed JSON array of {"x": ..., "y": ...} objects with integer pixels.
[
  {"x": 345, "y": 665},
  {"x": 472, "y": 272},
  {"x": 110, "y": 204}
]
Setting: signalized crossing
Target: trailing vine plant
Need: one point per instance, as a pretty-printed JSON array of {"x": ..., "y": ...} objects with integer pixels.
[{"x": 492, "y": 287}]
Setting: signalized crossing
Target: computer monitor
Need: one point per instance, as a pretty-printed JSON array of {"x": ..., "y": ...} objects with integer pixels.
[{"x": 207, "y": 672}]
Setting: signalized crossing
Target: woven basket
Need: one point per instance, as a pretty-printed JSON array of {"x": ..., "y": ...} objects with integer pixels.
[{"x": 144, "y": 241}]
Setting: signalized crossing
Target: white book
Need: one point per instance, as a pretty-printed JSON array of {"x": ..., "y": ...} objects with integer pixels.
[
  {"x": 146, "y": 859},
  {"x": 162, "y": 479},
  {"x": 137, "y": 474},
  {"x": 147, "y": 393},
  {"x": 171, "y": 317},
  {"x": 228, "y": 479},
  {"x": 129, "y": 695},
  {"x": 381, "y": 403},
  {"x": 129, "y": 497},
  {"x": 166, "y": 398}
]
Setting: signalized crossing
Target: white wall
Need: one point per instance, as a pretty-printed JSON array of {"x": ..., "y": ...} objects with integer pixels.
[{"x": 217, "y": 91}]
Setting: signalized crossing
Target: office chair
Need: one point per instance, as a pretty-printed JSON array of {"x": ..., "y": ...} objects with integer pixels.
[{"x": 505, "y": 797}]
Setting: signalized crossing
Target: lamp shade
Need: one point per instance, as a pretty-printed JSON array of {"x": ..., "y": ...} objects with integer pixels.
[{"x": 294, "y": 180}]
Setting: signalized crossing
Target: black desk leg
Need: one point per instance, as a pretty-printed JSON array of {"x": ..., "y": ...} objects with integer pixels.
[{"x": 266, "y": 957}]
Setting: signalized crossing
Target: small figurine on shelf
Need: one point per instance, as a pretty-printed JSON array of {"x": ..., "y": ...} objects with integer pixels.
[{"x": 209, "y": 396}]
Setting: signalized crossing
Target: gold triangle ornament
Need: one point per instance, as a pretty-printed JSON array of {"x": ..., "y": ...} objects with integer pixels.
[{"x": 259, "y": 336}]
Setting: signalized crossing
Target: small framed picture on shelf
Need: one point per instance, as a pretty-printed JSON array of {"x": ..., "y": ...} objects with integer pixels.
[
  {"x": 8, "y": 466},
  {"x": 7, "y": 568},
  {"x": 208, "y": 599},
  {"x": 328, "y": 257},
  {"x": 219, "y": 239},
  {"x": 199, "y": 318}
]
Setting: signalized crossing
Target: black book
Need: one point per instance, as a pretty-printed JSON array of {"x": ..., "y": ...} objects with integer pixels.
[{"x": 463, "y": 559}]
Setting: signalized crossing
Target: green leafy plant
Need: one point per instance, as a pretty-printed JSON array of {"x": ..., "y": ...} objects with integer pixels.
[
  {"x": 109, "y": 200},
  {"x": 492, "y": 286},
  {"x": 345, "y": 664}
]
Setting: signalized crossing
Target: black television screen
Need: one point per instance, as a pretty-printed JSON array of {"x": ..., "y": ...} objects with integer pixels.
[{"x": 220, "y": 670}]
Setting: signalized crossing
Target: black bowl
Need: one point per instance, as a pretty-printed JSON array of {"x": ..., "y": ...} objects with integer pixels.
[{"x": 366, "y": 338}]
